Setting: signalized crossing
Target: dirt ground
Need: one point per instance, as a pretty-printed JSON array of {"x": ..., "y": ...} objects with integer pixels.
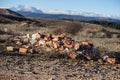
[{"x": 15, "y": 66}]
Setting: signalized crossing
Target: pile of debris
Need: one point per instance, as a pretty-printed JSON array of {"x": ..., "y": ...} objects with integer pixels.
[{"x": 29, "y": 43}]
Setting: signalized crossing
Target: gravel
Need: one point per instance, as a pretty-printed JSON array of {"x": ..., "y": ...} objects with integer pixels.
[{"x": 24, "y": 67}]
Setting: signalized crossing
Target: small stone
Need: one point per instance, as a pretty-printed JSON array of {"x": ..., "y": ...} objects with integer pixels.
[
  {"x": 26, "y": 40},
  {"x": 25, "y": 46},
  {"x": 30, "y": 50},
  {"x": 10, "y": 48},
  {"x": 18, "y": 43},
  {"x": 51, "y": 79},
  {"x": 48, "y": 49},
  {"x": 105, "y": 57}
]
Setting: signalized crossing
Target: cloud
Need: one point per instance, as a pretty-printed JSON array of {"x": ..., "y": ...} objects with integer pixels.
[{"x": 69, "y": 12}]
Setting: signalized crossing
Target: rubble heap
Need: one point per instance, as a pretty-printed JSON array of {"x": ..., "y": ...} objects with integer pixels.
[{"x": 29, "y": 43}]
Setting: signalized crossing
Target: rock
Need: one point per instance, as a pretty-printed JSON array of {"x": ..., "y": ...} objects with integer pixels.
[
  {"x": 10, "y": 48},
  {"x": 115, "y": 36},
  {"x": 33, "y": 41},
  {"x": 18, "y": 43},
  {"x": 26, "y": 40},
  {"x": 28, "y": 35},
  {"x": 105, "y": 57},
  {"x": 25, "y": 46},
  {"x": 101, "y": 34},
  {"x": 51, "y": 79},
  {"x": 67, "y": 50},
  {"x": 33, "y": 36},
  {"x": 30, "y": 50},
  {"x": 48, "y": 49}
]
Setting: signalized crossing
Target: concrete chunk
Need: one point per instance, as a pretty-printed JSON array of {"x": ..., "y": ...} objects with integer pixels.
[
  {"x": 33, "y": 41},
  {"x": 42, "y": 42}
]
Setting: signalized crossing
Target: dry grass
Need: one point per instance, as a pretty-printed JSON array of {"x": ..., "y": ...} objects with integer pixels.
[
  {"x": 15, "y": 28},
  {"x": 80, "y": 31}
]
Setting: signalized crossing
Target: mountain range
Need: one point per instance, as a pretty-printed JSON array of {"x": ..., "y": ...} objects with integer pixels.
[{"x": 29, "y": 11}]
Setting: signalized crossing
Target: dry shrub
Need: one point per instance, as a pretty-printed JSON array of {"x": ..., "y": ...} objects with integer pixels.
[{"x": 71, "y": 28}]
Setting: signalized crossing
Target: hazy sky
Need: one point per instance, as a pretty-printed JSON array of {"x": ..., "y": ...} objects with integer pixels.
[{"x": 97, "y": 6}]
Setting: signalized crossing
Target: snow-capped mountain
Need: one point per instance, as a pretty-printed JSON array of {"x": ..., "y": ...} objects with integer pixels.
[
  {"x": 37, "y": 12},
  {"x": 26, "y": 8}
]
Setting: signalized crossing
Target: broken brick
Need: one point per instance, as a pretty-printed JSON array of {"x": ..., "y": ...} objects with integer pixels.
[
  {"x": 55, "y": 39},
  {"x": 56, "y": 45},
  {"x": 67, "y": 43},
  {"x": 49, "y": 43},
  {"x": 37, "y": 35},
  {"x": 22, "y": 50},
  {"x": 61, "y": 48},
  {"x": 87, "y": 57},
  {"x": 58, "y": 42},
  {"x": 62, "y": 35},
  {"x": 85, "y": 43},
  {"x": 54, "y": 36},
  {"x": 77, "y": 46},
  {"x": 111, "y": 60},
  {"x": 73, "y": 55}
]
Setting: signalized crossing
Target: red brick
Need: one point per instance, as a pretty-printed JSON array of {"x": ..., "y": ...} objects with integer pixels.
[{"x": 22, "y": 50}]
